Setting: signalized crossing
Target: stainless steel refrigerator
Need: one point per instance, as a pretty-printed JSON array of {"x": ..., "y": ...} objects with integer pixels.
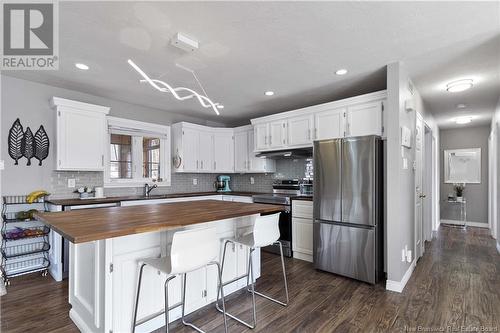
[{"x": 348, "y": 207}]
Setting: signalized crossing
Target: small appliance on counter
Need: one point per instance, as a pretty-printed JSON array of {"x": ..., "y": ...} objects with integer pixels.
[{"x": 222, "y": 183}]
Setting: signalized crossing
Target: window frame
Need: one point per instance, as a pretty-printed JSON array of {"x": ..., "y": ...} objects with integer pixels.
[{"x": 138, "y": 130}]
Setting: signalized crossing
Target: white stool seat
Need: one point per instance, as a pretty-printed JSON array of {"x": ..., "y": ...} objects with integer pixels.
[{"x": 161, "y": 264}]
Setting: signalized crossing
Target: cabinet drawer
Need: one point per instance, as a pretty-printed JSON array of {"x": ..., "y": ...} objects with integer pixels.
[{"x": 301, "y": 208}]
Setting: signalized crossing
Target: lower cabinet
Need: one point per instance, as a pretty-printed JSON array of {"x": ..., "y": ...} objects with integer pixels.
[{"x": 302, "y": 230}]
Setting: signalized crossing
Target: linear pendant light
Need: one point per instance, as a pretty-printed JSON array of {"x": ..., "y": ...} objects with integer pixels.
[{"x": 166, "y": 88}]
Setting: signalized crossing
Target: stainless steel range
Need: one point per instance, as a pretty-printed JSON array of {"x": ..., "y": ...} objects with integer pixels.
[{"x": 283, "y": 191}]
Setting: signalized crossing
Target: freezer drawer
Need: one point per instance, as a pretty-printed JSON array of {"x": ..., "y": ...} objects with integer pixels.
[{"x": 345, "y": 250}]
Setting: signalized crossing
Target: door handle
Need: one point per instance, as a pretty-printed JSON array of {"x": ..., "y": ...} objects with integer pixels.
[{"x": 422, "y": 195}]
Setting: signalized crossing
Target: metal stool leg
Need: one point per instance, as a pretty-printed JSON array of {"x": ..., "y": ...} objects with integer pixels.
[
  {"x": 284, "y": 280},
  {"x": 136, "y": 305},
  {"x": 221, "y": 287}
]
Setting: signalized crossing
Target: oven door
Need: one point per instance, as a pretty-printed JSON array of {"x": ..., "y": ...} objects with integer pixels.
[{"x": 285, "y": 225}]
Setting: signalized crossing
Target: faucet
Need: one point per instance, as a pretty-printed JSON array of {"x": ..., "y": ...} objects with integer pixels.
[{"x": 148, "y": 189}]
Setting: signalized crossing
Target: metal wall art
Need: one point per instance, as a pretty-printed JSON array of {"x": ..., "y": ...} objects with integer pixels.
[{"x": 25, "y": 144}]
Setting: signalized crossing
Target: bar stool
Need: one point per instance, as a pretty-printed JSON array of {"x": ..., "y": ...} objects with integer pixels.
[
  {"x": 265, "y": 232},
  {"x": 191, "y": 250}
]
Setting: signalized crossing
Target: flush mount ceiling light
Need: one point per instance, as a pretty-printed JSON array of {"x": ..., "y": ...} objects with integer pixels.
[
  {"x": 459, "y": 85},
  {"x": 81, "y": 66},
  {"x": 461, "y": 106},
  {"x": 220, "y": 106},
  {"x": 463, "y": 120},
  {"x": 180, "y": 93},
  {"x": 269, "y": 93},
  {"x": 341, "y": 71}
]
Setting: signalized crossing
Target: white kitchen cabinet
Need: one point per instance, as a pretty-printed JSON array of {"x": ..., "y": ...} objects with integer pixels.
[
  {"x": 80, "y": 135},
  {"x": 224, "y": 151},
  {"x": 329, "y": 124},
  {"x": 302, "y": 230},
  {"x": 245, "y": 160},
  {"x": 277, "y": 134},
  {"x": 206, "y": 150},
  {"x": 365, "y": 119},
  {"x": 261, "y": 136},
  {"x": 300, "y": 130},
  {"x": 187, "y": 148}
]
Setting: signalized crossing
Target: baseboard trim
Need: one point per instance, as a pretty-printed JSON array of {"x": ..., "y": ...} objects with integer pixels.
[
  {"x": 498, "y": 247},
  {"x": 302, "y": 256},
  {"x": 467, "y": 223},
  {"x": 398, "y": 286},
  {"x": 79, "y": 322}
]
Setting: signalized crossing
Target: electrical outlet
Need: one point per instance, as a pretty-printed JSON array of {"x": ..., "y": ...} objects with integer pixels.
[
  {"x": 2, "y": 165},
  {"x": 252, "y": 180},
  {"x": 72, "y": 183},
  {"x": 195, "y": 181},
  {"x": 405, "y": 163},
  {"x": 408, "y": 256},
  {"x": 403, "y": 255}
]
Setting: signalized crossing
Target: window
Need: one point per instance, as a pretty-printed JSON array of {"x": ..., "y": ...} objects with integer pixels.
[
  {"x": 121, "y": 156},
  {"x": 138, "y": 153}
]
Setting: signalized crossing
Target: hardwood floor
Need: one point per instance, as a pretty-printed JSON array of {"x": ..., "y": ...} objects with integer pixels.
[{"x": 456, "y": 284}]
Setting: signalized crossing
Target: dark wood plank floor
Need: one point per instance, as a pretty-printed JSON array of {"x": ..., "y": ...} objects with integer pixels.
[{"x": 456, "y": 284}]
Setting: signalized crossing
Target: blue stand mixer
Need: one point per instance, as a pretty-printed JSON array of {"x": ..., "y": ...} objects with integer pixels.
[{"x": 222, "y": 183}]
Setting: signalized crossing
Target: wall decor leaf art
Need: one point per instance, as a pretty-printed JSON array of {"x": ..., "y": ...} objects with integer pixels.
[
  {"x": 42, "y": 145},
  {"x": 16, "y": 135},
  {"x": 27, "y": 145}
]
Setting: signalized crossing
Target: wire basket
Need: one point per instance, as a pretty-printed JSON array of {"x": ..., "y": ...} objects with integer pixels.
[
  {"x": 22, "y": 250},
  {"x": 20, "y": 199},
  {"x": 23, "y": 233},
  {"x": 26, "y": 266}
]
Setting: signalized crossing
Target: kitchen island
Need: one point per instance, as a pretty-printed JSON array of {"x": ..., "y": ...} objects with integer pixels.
[{"x": 108, "y": 243}]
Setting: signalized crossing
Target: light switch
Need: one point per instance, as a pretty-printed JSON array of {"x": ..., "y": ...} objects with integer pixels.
[
  {"x": 71, "y": 182},
  {"x": 2, "y": 165},
  {"x": 252, "y": 180}
]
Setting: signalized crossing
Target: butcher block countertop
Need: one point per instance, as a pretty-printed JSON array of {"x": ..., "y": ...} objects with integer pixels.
[{"x": 80, "y": 226}]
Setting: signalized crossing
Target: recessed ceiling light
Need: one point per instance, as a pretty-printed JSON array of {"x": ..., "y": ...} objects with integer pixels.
[
  {"x": 342, "y": 71},
  {"x": 463, "y": 120},
  {"x": 81, "y": 66},
  {"x": 459, "y": 85},
  {"x": 269, "y": 93},
  {"x": 461, "y": 106}
]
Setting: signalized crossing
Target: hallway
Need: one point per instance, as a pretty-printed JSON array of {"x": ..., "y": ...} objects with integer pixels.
[{"x": 456, "y": 283}]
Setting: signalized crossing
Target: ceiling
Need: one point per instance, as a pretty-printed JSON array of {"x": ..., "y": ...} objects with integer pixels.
[{"x": 292, "y": 48}]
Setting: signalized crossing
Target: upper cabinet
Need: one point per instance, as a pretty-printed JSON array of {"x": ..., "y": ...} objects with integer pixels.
[
  {"x": 202, "y": 149},
  {"x": 355, "y": 116},
  {"x": 80, "y": 135},
  {"x": 244, "y": 156}
]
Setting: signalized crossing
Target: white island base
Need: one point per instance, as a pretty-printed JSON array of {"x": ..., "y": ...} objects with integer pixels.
[{"x": 103, "y": 278}]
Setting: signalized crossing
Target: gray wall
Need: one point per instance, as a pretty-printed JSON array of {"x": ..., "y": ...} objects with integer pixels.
[
  {"x": 29, "y": 101},
  {"x": 476, "y": 194}
]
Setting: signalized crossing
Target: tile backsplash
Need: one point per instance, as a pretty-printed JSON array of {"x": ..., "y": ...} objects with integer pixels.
[{"x": 286, "y": 168}]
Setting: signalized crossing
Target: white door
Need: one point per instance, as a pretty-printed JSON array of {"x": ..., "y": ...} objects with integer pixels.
[
  {"x": 224, "y": 151},
  {"x": 261, "y": 133},
  {"x": 364, "y": 119},
  {"x": 206, "y": 152},
  {"x": 329, "y": 124},
  {"x": 277, "y": 134},
  {"x": 300, "y": 130},
  {"x": 190, "y": 145},
  {"x": 81, "y": 141},
  {"x": 419, "y": 195},
  {"x": 241, "y": 150}
]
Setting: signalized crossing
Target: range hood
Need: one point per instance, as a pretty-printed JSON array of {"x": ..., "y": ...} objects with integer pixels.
[{"x": 288, "y": 153}]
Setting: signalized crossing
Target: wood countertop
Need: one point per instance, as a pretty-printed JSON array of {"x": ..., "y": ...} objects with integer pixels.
[
  {"x": 79, "y": 226},
  {"x": 93, "y": 201}
]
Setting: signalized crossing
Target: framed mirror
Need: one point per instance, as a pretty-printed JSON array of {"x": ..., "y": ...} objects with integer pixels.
[{"x": 462, "y": 166}]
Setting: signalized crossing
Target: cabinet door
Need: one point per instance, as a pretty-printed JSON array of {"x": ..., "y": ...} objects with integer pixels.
[
  {"x": 364, "y": 119},
  {"x": 190, "y": 145},
  {"x": 196, "y": 291},
  {"x": 80, "y": 144},
  {"x": 261, "y": 140},
  {"x": 277, "y": 134},
  {"x": 302, "y": 235},
  {"x": 242, "y": 146},
  {"x": 329, "y": 124},
  {"x": 206, "y": 152},
  {"x": 300, "y": 130},
  {"x": 224, "y": 152}
]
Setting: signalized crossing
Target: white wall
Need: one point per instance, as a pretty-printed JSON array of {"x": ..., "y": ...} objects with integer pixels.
[
  {"x": 29, "y": 101},
  {"x": 494, "y": 182},
  {"x": 400, "y": 186}
]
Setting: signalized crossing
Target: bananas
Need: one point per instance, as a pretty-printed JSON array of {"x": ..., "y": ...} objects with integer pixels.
[{"x": 35, "y": 195}]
